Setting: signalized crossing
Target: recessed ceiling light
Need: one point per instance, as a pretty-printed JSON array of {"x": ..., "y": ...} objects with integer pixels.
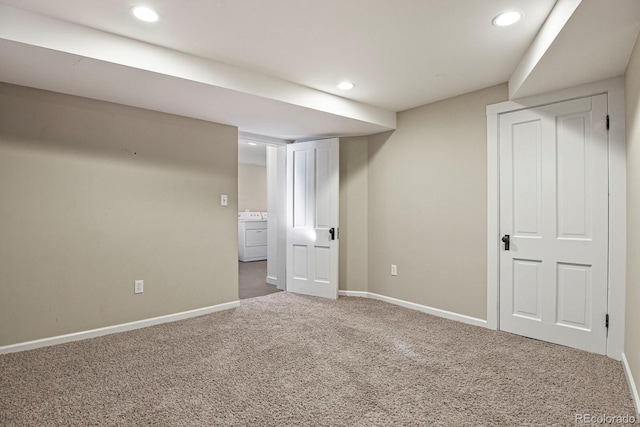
[
  {"x": 144, "y": 14},
  {"x": 507, "y": 18},
  {"x": 346, "y": 86},
  {"x": 252, "y": 143}
]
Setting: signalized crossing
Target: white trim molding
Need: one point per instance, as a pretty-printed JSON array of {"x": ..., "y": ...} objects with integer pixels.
[
  {"x": 269, "y": 140},
  {"x": 361, "y": 294},
  {"x": 123, "y": 327},
  {"x": 632, "y": 383},
  {"x": 419, "y": 307},
  {"x": 614, "y": 88}
]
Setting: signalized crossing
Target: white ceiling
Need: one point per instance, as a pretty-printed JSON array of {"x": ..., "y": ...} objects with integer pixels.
[
  {"x": 271, "y": 67},
  {"x": 401, "y": 53},
  {"x": 593, "y": 42}
]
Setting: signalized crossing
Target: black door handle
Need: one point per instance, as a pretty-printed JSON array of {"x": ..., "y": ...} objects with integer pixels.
[
  {"x": 332, "y": 233},
  {"x": 507, "y": 241}
]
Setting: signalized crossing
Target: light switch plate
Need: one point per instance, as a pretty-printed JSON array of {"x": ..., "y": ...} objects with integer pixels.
[
  {"x": 138, "y": 286},
  {"x": 223, "y": 200}
]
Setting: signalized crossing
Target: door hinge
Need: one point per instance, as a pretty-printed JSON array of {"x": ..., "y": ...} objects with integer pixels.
[
  {"x": 606, "y": 321},
  {"x": 607, "y": 122}
]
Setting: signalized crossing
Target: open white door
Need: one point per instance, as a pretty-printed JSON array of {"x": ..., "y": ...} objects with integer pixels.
[
  {"x": 554, "y": 222},
  {"x": 312, "y": 218}
]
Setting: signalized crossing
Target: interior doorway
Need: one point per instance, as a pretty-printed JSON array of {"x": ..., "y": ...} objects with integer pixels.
[
  {"x": 261, "y": 237},
  {"x": 569, "y": 277},
  {"x": 297, "y": 234},
  {"x": 554, "y": 223}
]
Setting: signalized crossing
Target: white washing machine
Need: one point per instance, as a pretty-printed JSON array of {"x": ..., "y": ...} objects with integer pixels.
[{"x": 252, "y": 236}]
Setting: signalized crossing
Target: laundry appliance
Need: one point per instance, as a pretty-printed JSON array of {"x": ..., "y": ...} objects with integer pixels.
[{"x": 252, "y": 236}]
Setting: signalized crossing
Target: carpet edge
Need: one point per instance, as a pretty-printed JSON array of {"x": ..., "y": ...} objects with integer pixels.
[
  {"x": 122, "y": 327},
  {"x": 631, "y": 382},
  {"x": 419, "y": 307}
]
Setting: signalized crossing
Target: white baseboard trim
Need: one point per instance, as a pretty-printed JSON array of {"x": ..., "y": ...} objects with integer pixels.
[
  {"x": 272, "y": 280},
  {"x": 76, "y": 336},
  {"x": 632, "y": 383},
  {"x": 419, "y": 307},
  {"x": 361, "y": 294}
]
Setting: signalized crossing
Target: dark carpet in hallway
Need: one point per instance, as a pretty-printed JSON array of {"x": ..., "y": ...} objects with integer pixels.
[{"x": 252, "y": 280}]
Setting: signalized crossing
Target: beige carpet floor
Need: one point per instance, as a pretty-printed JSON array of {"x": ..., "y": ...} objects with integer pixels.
[{"x": 285, "y": 359}]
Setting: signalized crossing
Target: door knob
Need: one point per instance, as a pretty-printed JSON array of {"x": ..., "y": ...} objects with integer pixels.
[
  {"x": 507, "y": 241},
  {"x": 332, "y": 233}
]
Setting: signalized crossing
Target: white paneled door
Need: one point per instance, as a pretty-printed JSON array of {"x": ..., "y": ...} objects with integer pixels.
[
  {"x": 554, "y": 223},
  {"x": 312, "y": 218}
]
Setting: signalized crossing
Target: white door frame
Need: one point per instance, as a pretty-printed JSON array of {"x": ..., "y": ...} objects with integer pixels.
[
  {"x": 277, "y": 208},
  {"x": 614, "y": 88}
]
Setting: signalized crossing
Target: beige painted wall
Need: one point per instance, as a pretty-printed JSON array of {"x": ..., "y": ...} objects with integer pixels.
[
  {"x": 95, "y": 195},
  {"x": 252, "y": 188},
  {"x": 632, "y": 326},
  {"x": 428, "y": 205},
  {"x": 353, "y": 214}
]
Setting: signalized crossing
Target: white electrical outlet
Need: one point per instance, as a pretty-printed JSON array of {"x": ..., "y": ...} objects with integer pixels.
[
  {"x": 223, "y": 200},
  {"x": 138, "y": 286},
  {"x": 394, "y": 270}
]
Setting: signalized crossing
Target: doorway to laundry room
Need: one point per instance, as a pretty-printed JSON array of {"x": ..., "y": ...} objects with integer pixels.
[
  {"x": 261, "y": 201},
  {"x": 288, "y": 196}
]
